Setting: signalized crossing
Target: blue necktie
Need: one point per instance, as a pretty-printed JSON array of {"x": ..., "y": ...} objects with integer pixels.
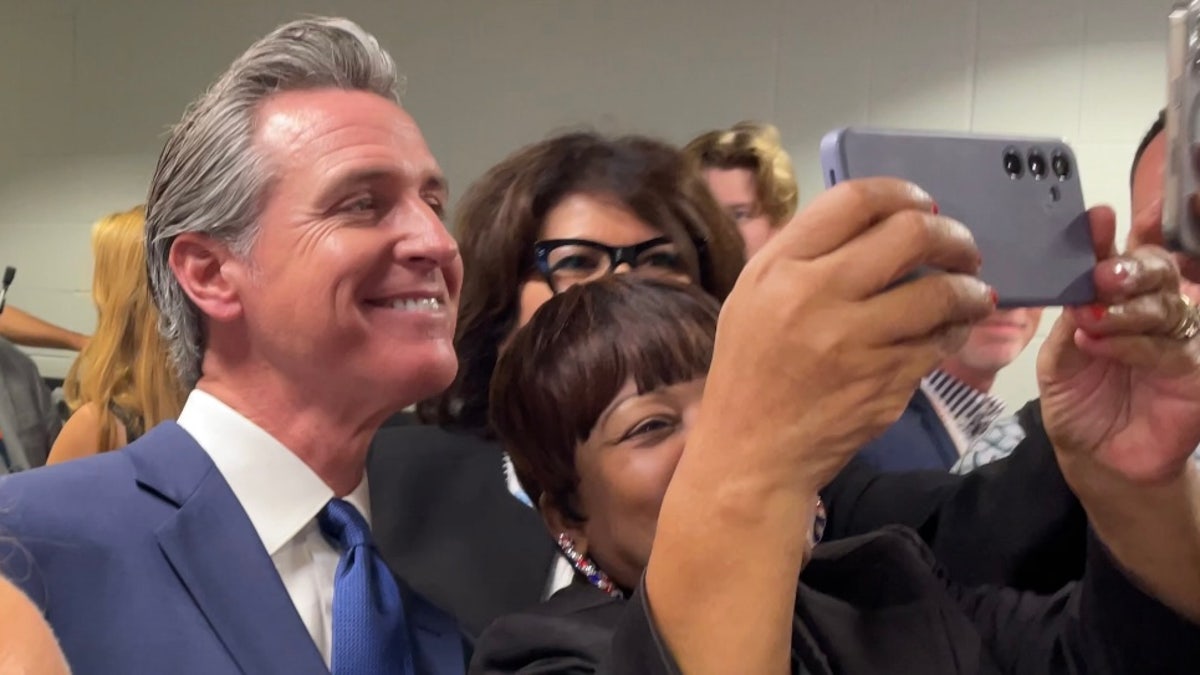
[{"x": 370, "y": 634}]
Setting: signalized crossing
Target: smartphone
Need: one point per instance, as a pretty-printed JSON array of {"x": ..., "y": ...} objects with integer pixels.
[
  {"x": 1020, "y": 197},
  {"x": 1180, "y": 229}
]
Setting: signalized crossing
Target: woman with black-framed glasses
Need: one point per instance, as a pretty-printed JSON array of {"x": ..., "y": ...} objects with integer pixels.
[
  {"x": 564, "y": 263},
  {"x": 610, "y": 193}
]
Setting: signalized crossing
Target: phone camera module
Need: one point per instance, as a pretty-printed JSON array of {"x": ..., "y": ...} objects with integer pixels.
[
  {"x": 1061, "y": 165},
  {"x": 1013, "y": 165},
  {"x": 1037, "y": 164}
]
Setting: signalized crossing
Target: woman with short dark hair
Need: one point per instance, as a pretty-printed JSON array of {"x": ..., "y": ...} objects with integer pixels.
[{"x": 617, "y": 402}]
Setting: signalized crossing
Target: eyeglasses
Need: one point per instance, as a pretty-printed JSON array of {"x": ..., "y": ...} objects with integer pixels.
[{"x": 567, "y": 262}]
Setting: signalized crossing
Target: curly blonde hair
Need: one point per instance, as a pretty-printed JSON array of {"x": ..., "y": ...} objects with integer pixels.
[{"x": 754, "y": 146}]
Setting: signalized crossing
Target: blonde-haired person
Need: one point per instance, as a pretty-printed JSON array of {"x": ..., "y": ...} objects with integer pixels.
[
  {"x": 122, "y": 383},
  {"x": 751, "y": 175}
]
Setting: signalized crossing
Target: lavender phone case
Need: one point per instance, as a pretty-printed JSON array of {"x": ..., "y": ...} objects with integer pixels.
[{"x": 1033, "y": 232}]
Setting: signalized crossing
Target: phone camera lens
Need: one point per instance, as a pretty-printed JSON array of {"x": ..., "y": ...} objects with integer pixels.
[
  {"x": 1012, "y": 163},
  {"x": 1037, "y": 164},
  {"x": 1061, "y": 165}
]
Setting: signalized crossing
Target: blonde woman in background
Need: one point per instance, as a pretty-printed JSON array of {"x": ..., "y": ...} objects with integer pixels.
[
  {"x": 122, "y": 383},
  {"x": 751, "y": 175}
]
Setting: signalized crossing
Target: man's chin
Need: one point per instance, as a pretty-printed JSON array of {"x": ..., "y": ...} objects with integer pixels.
[
  {"x": 427, "y": 380},
  {"x": 991, "y": 362}
]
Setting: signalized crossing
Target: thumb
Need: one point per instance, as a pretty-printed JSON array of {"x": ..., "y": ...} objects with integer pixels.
[{"x": 1102, "y": 221}]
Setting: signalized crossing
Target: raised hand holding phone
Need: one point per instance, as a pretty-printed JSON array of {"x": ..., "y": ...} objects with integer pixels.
[{"x": 1020, "y": 197}]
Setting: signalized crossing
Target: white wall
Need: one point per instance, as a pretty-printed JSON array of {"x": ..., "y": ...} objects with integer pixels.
[{"x": 88, "y": 86}]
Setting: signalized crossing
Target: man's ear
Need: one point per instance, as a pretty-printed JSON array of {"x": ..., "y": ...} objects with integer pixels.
[
  {"x": 559, "y": 522},
  {"x": 208, "y": 273}
]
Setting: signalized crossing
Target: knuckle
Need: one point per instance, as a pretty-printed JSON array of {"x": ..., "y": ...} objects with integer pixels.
[
  {"x": 961, "y": 296},
  {"x": 1152, "y": 264},
  {"x": 830, "y": 343},
  {"x": 1167, "y": 311},
  {"x": 948, "y": 291},
  {"x": 914, "y": 232},
  {"x": 856, "y": 194}
]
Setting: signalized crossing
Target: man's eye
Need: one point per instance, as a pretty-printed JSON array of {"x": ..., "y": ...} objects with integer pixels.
[
  {"x": 361, "y": 204},
  {"x": 437, "y": 206}
]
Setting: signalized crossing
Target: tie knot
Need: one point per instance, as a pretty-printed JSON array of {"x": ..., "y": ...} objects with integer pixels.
[{"x": 343, "y": 523}]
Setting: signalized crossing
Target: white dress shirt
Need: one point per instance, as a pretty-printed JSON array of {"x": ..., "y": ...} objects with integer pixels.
[{"x": 282, "y": 497}]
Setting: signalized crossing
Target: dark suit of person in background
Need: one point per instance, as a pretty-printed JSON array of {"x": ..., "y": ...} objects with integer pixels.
[{"x": 29, "y": 422}]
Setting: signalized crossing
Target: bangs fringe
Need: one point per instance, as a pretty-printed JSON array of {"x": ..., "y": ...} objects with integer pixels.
[{"x": 580, "y": 349}]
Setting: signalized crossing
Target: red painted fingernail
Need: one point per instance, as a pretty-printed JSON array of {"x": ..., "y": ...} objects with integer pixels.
[
  {"x": 1098, "y": 311},
  {"x": 935, "y": 209},
  {"x": 995, "y": 298}
]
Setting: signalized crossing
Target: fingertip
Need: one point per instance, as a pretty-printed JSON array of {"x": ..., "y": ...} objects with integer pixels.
[
  {"x": 1086, "y": 342},
  {"x": 1102, "y": 212},
  {"x": 1102, "y": 221}
]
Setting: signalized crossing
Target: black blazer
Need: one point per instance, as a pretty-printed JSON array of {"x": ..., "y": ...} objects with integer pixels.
[
  {"x": 1014, "y": 522},
  {"x": 877, "y": 604},
  {"x": 445, "y": 522}
]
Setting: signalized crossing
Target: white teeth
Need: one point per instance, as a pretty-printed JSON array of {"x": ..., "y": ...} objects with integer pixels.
[{"x": 417, "y": 304}]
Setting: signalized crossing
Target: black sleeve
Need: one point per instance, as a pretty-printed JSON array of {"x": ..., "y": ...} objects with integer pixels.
[
  {"x": 1011, "y": 523},
  {"x": 51, "y": 421},
  {"x": 620, "y": 640},
  {"x": 1103, "y": 625}
]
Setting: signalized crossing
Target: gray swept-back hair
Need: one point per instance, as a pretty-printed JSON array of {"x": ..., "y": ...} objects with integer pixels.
[{"x": 209, "y": 177}]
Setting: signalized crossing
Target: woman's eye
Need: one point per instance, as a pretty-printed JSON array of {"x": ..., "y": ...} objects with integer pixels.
[
  {"x": 650, "y": 426},
  {"x": 575, "y": 263},
  {"x": 668, "y": 261}
]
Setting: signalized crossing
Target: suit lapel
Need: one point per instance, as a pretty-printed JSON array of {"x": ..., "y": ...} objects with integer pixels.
[
  {"x": 937, "y": 424},
  {"x": 219, "y": 558}
]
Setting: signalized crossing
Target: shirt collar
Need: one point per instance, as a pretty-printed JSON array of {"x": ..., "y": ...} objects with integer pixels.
[
  {"x": 514, "y": 483},
  {"x": 278, "y": 491},
  {"x": 973, "y": 410}
]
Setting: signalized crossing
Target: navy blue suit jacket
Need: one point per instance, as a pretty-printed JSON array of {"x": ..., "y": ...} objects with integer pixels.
[
  {"x": 145, "y": 562},
  {"x": 917, "y": 441}
]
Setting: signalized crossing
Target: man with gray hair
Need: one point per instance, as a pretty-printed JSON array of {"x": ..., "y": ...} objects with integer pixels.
[{"x": 308, "y": 289}]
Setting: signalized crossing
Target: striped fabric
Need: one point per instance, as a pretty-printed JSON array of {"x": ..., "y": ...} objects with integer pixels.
[{"x": 974, "y": 411}]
